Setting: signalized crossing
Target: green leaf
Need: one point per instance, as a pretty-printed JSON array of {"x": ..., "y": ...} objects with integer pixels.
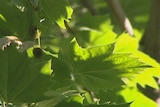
[
  {"x": 9, "y": 23},
  {"x": 133, "y": 94},
  {"x": 97, "y": 67},
  {"x": 77, "y": 101},
  {"x": 23, "y": 79},
  {"x": 125, "y": 94},
  {"x": 57, "y": 98},
  {"x": 61, "y": 74},
  {"x": 57, "y": 11},
  {"x": 147, "y": 77},
  {"x": 110, "y": 96},
  {"x": 94, "y": 31},
  {"x": 126, "y": 44}
]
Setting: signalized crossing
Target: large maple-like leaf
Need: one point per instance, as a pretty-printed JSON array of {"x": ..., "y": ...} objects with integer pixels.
[{"x": 97, "y": 67}]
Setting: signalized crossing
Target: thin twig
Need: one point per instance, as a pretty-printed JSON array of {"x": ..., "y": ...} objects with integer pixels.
[{"x": 70, "y": 30}]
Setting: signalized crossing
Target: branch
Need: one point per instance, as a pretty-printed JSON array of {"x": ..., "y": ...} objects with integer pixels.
[
  {"x": 121, "y": 16},
  {"x": 151, "y": 37}
]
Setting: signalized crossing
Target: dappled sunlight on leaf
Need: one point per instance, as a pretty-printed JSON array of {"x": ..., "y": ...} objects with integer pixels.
[
  {"x": 89, "y": 62},
  {"x": 109, "y": 69},
  {"x": 95, "y": 31}
]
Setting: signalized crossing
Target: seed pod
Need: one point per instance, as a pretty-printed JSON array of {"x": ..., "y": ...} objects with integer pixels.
[{"x": 37, "y": 52}]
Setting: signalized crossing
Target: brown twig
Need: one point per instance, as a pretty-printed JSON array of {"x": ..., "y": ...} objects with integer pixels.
[
  {"x": 71, "y": 31},
  {"x": 151, "y": 37},
  {"x": 121, "y": 16}
]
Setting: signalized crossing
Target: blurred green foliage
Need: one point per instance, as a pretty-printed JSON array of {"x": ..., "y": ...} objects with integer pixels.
[{"x": 78, "y": 59}]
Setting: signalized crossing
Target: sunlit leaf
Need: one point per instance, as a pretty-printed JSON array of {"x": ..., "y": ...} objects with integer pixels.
[
  {"x": 94, "y": 31},
  {"x": 133, "y": 94},
  {"x": 125, "y": 94},
  {"x": 124, "y": 44},
  {"x": 99, "y": 60},
  {"x": 109, "y": 70}
]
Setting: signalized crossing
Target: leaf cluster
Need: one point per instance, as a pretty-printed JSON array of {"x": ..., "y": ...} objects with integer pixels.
[{"x": 84, "y": 63}]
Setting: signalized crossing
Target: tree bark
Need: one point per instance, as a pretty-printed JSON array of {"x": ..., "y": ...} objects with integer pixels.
[
  {"x": 121, "y": 16},
  {"x": 151, "y": 38},
  {"x": 151, "y": 43}
]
